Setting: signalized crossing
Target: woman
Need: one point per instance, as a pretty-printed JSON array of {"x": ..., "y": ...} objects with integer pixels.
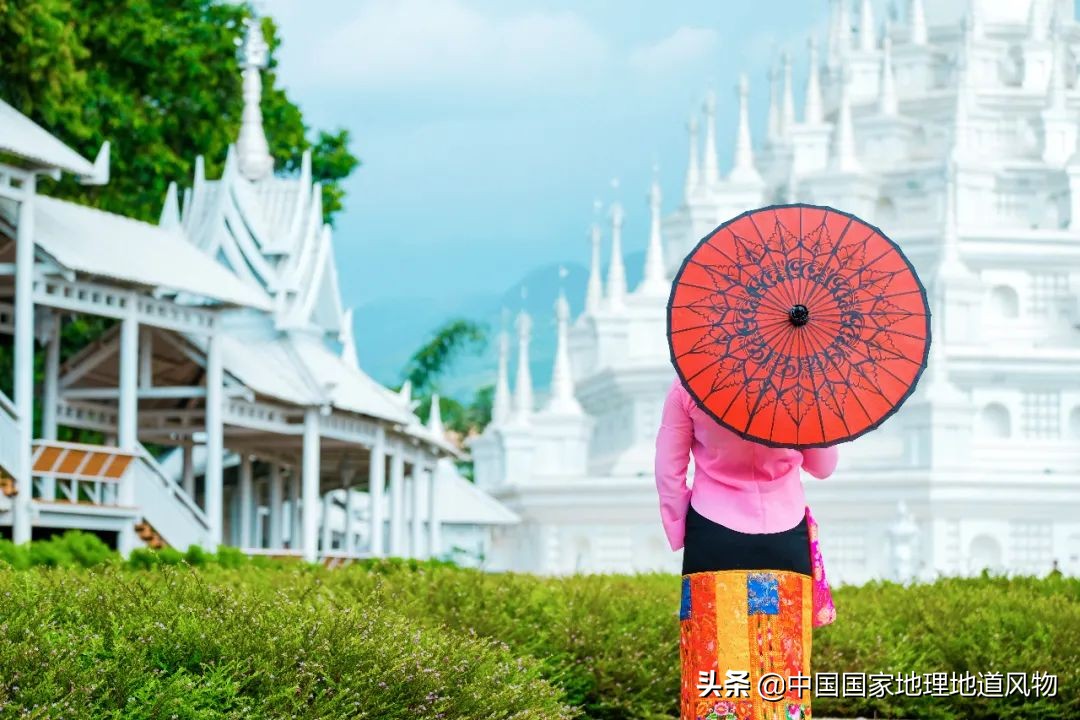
[{"x": 752, "y": 581}]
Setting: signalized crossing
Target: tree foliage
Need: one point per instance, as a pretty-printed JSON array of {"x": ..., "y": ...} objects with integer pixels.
[
  {"x": 437, "y": 355},
  {"x": 161, "y": 82},
  {"x": 433, "y": 359}
]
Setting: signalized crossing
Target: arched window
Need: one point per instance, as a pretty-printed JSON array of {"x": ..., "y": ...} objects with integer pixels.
[
  {"x": 994, "y": 421},
  {"x": 1004, "y": 302}
]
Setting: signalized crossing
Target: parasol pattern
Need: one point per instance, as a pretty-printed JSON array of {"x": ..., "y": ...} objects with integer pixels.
[{"x": 798, "y": 326}]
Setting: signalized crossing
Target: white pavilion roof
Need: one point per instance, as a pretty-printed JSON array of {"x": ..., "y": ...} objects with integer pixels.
[
  {"x": 292, "y": 366},
  {"x": 99, "y": 243},
  {"x": 24, "y": 138}
]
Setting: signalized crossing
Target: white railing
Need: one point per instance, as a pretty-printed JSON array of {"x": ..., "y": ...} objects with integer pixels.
[{"x": 163, "y": 503}]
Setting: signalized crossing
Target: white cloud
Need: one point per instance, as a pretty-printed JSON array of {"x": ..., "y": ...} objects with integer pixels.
[
  {"x": 433, "y": 45},
  {"x": 686, "y": 47}
]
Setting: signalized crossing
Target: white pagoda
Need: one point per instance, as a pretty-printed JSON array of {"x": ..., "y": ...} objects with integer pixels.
[{"x": 954, "y": 128}]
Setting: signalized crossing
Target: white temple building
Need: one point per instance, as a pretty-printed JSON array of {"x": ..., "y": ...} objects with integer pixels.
[
  {"x": 229, "y": 343},
  {"x": 954, "y": 128}
]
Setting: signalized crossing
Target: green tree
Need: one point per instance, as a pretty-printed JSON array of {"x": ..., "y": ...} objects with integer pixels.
[
  {"x": 437, "y": 355},
  {"x": 161, "y": 81},
  {"x": 433, "y": 359}
]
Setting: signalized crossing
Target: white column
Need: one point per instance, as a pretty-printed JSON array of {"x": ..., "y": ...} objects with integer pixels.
[
  {"x": 258, "y": 521},
  {"x": 50, "y": 397},
  {"x": 188, "y": 451},
  {"x": 24, "y": 362},
  {"x": 51, "y": 380},
  {"x": 397, "y": 500},
  {"x": 377, "y": 492},
  {"x": 434, "y": 529},
  {"x": 127, "y": 417},
  {"x": 247, "y": 500},
  {"x": 146, "y": 358},
  {"x": 294, "y": 511},
  {"x": 310, "y": 477},
  {"x": 348, "y": 546},
  {"x": 327, "y": 531},
  {"x": 277, "y": 505},
  {"x": 416, "y": 542},
  {"x": 215, "y": 438}
]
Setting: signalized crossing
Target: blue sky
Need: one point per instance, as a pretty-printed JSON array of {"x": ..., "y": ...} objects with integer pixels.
[{"x": 487, "y": 129}]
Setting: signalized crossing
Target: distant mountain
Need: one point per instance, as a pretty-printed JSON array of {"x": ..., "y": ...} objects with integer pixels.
[{"x": 388, "y": 332}]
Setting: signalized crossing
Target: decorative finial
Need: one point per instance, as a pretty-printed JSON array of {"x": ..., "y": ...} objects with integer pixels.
[
  {"x": 500, "y": 407},
  {"x": 594, "y": 291},
  {"x": 917, "y": 22},
  {"x": 523, "y": 391},
  {"x": 711, "y": 164},
  {"x": 866, "y": 27},
  {"x": 743, "y": 169},
  {"x": 562, "y": 400},
  {"x": 693, "y": 171},
  {"x": 653, "y": 281},
  {"x": 774, "y": 110},
  {"x": 435, "y": 423},
  {"x": 616, "y": 286},
  {"x": 887, "y": 102},
  {"x": 842, "y": 156},
  {"x": 812, "y": 110},
  {"x": 254, "y": 159},
  {"x": 787, "y": 108}
]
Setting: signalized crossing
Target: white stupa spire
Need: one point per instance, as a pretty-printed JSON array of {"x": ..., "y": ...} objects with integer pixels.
[
  {"x": 170, "y": 211},
  {"x": 812, "y": 106},
  {"x": 594, "y": 291},
  {"x": 917, "y": 22},
  {"x": 253, "y": 151},
  {"x": 887, "y": 102},
  {"x": 866, "y": 27},
  {"x": 1056, "y": 89},
  {"x": 832, "y": 39},
  {"x": 773, "y": 133},
  {"x": 842, "y": 155},
  {"x": 1038, "y": 24},
  {"x": 523, "y": 389},
  {"x": 693, "y": 169},
  {"x": 949, "y": 270},
  {"x": 974, "y": 19},
  {"x": 616, "y": 281},
  {"x": 653, "y": 281},
  {"x": 405, "y": 393},
  {"x": 435, "y": 423},
  {"x": 500, "y": 406},
  {"x": 962, "y": 140},
  {"x": 743, "y": 169},
  {"x": 787, "y": 99},
  {"x": 710, "y": 166},
  {"x": 950, "y": 262},
  {"x": 562, "y": 400},
  {"x": 843, "y": 28}
]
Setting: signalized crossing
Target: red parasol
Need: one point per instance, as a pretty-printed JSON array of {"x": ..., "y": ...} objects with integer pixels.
[{"x": 798, "y": 326}]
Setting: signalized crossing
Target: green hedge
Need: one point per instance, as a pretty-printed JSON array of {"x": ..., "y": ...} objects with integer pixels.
[
  {"x": 612, "y": 641},
  {"x": 225, "y": 640},
  {"x": 186, "y": 644}
]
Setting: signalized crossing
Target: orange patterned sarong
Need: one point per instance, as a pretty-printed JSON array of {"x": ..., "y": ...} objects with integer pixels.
[{"x": 738, "y": 627}]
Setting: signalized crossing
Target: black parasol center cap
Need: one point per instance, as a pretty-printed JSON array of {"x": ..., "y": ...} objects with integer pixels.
[{"x": 799, "y": 315}]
